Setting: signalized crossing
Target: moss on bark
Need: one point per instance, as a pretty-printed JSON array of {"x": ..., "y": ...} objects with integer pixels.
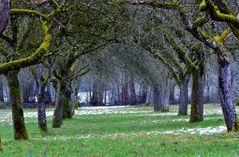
[
  {"x": 197, "y": 98},
  {"x": 66, "y": 105},
  {"x": 20, "y": 131}
]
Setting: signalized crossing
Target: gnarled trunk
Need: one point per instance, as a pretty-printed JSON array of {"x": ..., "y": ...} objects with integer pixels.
[
  {"x": 19, "y": 128},
  {"x": 183, "y": 100},
  {"x": 58, "y": 112},
  {"x": 224, "y": 79},
  {"x": 197, "y": 96}
]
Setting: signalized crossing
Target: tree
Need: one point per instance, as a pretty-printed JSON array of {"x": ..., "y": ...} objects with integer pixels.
[
  {"x": 217, "y": 11},
  {"x": 13, "y": 64}
]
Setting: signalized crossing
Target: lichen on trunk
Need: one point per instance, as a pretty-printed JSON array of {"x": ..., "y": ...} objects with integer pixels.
[{"x": 227, "y": 105}]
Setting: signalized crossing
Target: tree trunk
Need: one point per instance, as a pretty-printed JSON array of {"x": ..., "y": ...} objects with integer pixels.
[
  {"x": 40, "y": 94},
  {"x": 132, "y": 93},
  {"x": 149, "y": 96},
  {"x": 4, "y": 14},
  {"x": 156, "y": 98},
  {"x": 58, "y": 112},
  {"x": 20, "y": 131},
  {"x": 172, "y": 93},
  {"x": 73, "y": 100},
  {"x": 224, "y": 79},
  {"x": 67, "y": 104},
  {"x": 1, "y": 89},
  {"x": 197, "y": 97},
  {"x": 183, "y": 100},
  {"x": 1, "y": 149},
  {"x": 164, "y": 97},
  {"x": 41, "y": 109}
]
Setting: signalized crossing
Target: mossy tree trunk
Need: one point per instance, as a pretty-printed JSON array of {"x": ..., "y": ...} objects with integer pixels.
[
  {"x": 183, "y": 99},
  {"x": 67, "y": 114},
  {"x": 225, "y": 84},
  {"x": 58, "y": 112},
  {"x": 20, "y": 131},
  {"x": 197, "y": 96}
]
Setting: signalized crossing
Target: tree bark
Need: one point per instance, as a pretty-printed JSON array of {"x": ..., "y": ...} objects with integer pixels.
[
  {"x": 132, "y": 93},
  {"x": 1, "y": 89},
  {"x": 41, "y": 109},
  {"x": 172, "y": 93},
  {"x": 149, "y": 96},
  {"x": 67, "y": 114},
  {"x": 1, "y": 148},
  {"x": 227, "y": 105},
  {"x": 164, "y": 97},
  {"x": 183, "y": 100},
  {"x": 19, "y": 128},
  {"x": 197, "y": 97},
  {"x": 41, "y": 95},
  {"x": 4, "y": 14},
  {"x": 156, "y": 98},
  {"x": 58, "y": 112}
]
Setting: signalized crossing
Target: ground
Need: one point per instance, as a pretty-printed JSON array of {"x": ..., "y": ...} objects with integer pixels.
[{"x": 123, "y": 131}]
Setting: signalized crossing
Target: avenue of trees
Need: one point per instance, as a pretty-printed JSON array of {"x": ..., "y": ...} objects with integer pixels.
[{"x": 118, "y": 52}]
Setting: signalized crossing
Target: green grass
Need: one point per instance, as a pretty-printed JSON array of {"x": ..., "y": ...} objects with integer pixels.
[{"x": 127, "y": 136}]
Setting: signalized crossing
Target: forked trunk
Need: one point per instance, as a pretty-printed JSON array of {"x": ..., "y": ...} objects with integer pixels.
[
  {"x": 19, "y": 128},
  {"x": 197, "y": 97},
  {"x": 227, "y": 105},
  {"x": 183, "y": 100},
  {"x": 58, "y": 112}
]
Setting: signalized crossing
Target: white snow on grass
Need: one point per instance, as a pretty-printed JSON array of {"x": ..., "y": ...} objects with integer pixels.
[
  {"x": 196, "y": 131},
  {"x": 180, "y": 120},
  {"x": 159, "y": 114},
  {"x": 106, "y": 111}
]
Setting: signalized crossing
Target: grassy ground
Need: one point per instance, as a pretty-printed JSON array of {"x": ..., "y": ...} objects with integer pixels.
[{"x": 116, "y": 135}]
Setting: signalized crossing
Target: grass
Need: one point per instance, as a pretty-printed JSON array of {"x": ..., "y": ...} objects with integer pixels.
[{"x": 116, "y": 135}]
